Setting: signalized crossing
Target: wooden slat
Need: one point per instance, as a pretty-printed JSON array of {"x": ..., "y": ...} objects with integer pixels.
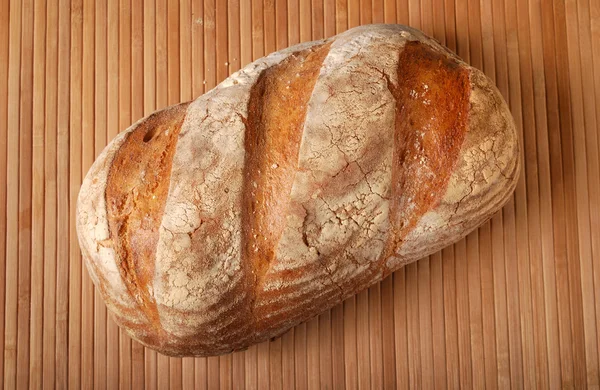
[
  {"x": 25, "y": 195},
  {"x": 287, "y": 361},
  {"x": 258, "y": 44},
  {"x": 350, "y": 344},
  {"x": 200, "y": 375},
  {"x": 424, "y": 317},
  {"x": 415, "y": 369},
  {"x": 37, "y": 203},
  {"x": 275, "y": 368},
  {"x": 185, "y": 50},
  {"x": 4, "y": 66},
  {"x": 515, "y": 304},
  {"x": 245, "y": 33},
  {"x": 387, "y": 333},
  {"x": 269, "y": 26},
  {"x": 304, "y": 13},
  {"x": 50, "y": 196},
  {"x": 324, "y": 350},
  {"x": 317, "y": 19},
  {"x": 213, "y": 373},
  {"x": 400, "y": 329},
  {"x": 312, "y": 353},
  {"x": 12, "y": 198},
  {"x": 209, "y": 45},
  {"x": 437, "y": 321},
  {"x": 375, "y": 331},
  {"x": 363, "y": 356},
  {"x": 62, "y": 177},
  {"x": 188, "y": 374},
  {"x": 300, "y": 359},
  {"x": 450, "y": 315},
  {"x": 594, "y": 203},
  {"x": 75, "y": 152},
  {"x": 87, "y": 158}
]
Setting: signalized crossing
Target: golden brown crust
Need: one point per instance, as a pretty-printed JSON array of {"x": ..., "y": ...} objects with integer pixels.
[
  {"x": 432, "y": 103},
  {"x": 275, "y": 203},
  {"x": 136, "y": 192},
  {"x": 276, "y": 111}
]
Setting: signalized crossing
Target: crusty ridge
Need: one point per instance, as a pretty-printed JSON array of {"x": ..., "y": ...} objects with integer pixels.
[
  {"x": 432, "y": 103},
  {"x": 136, "y": 192},
  {"x": 276, "y": 111}
]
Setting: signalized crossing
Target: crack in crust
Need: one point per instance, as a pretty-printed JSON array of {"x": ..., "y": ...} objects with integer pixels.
[
  {"x": 276, "y": 112},
  {"x": 136, "y": 192}
]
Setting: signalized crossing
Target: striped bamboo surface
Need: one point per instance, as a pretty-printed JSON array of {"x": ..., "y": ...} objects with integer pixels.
[{"x": 516, "y": 304}]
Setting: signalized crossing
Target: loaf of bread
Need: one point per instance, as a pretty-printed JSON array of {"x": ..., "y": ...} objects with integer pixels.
[{"x": 298, "y": 181}]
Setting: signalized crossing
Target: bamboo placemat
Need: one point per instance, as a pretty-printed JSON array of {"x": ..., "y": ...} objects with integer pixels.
[{"x": 515, "y": 304}]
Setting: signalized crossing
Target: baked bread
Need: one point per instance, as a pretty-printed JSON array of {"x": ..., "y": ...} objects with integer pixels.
[{"x": 298, "y": 181}]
